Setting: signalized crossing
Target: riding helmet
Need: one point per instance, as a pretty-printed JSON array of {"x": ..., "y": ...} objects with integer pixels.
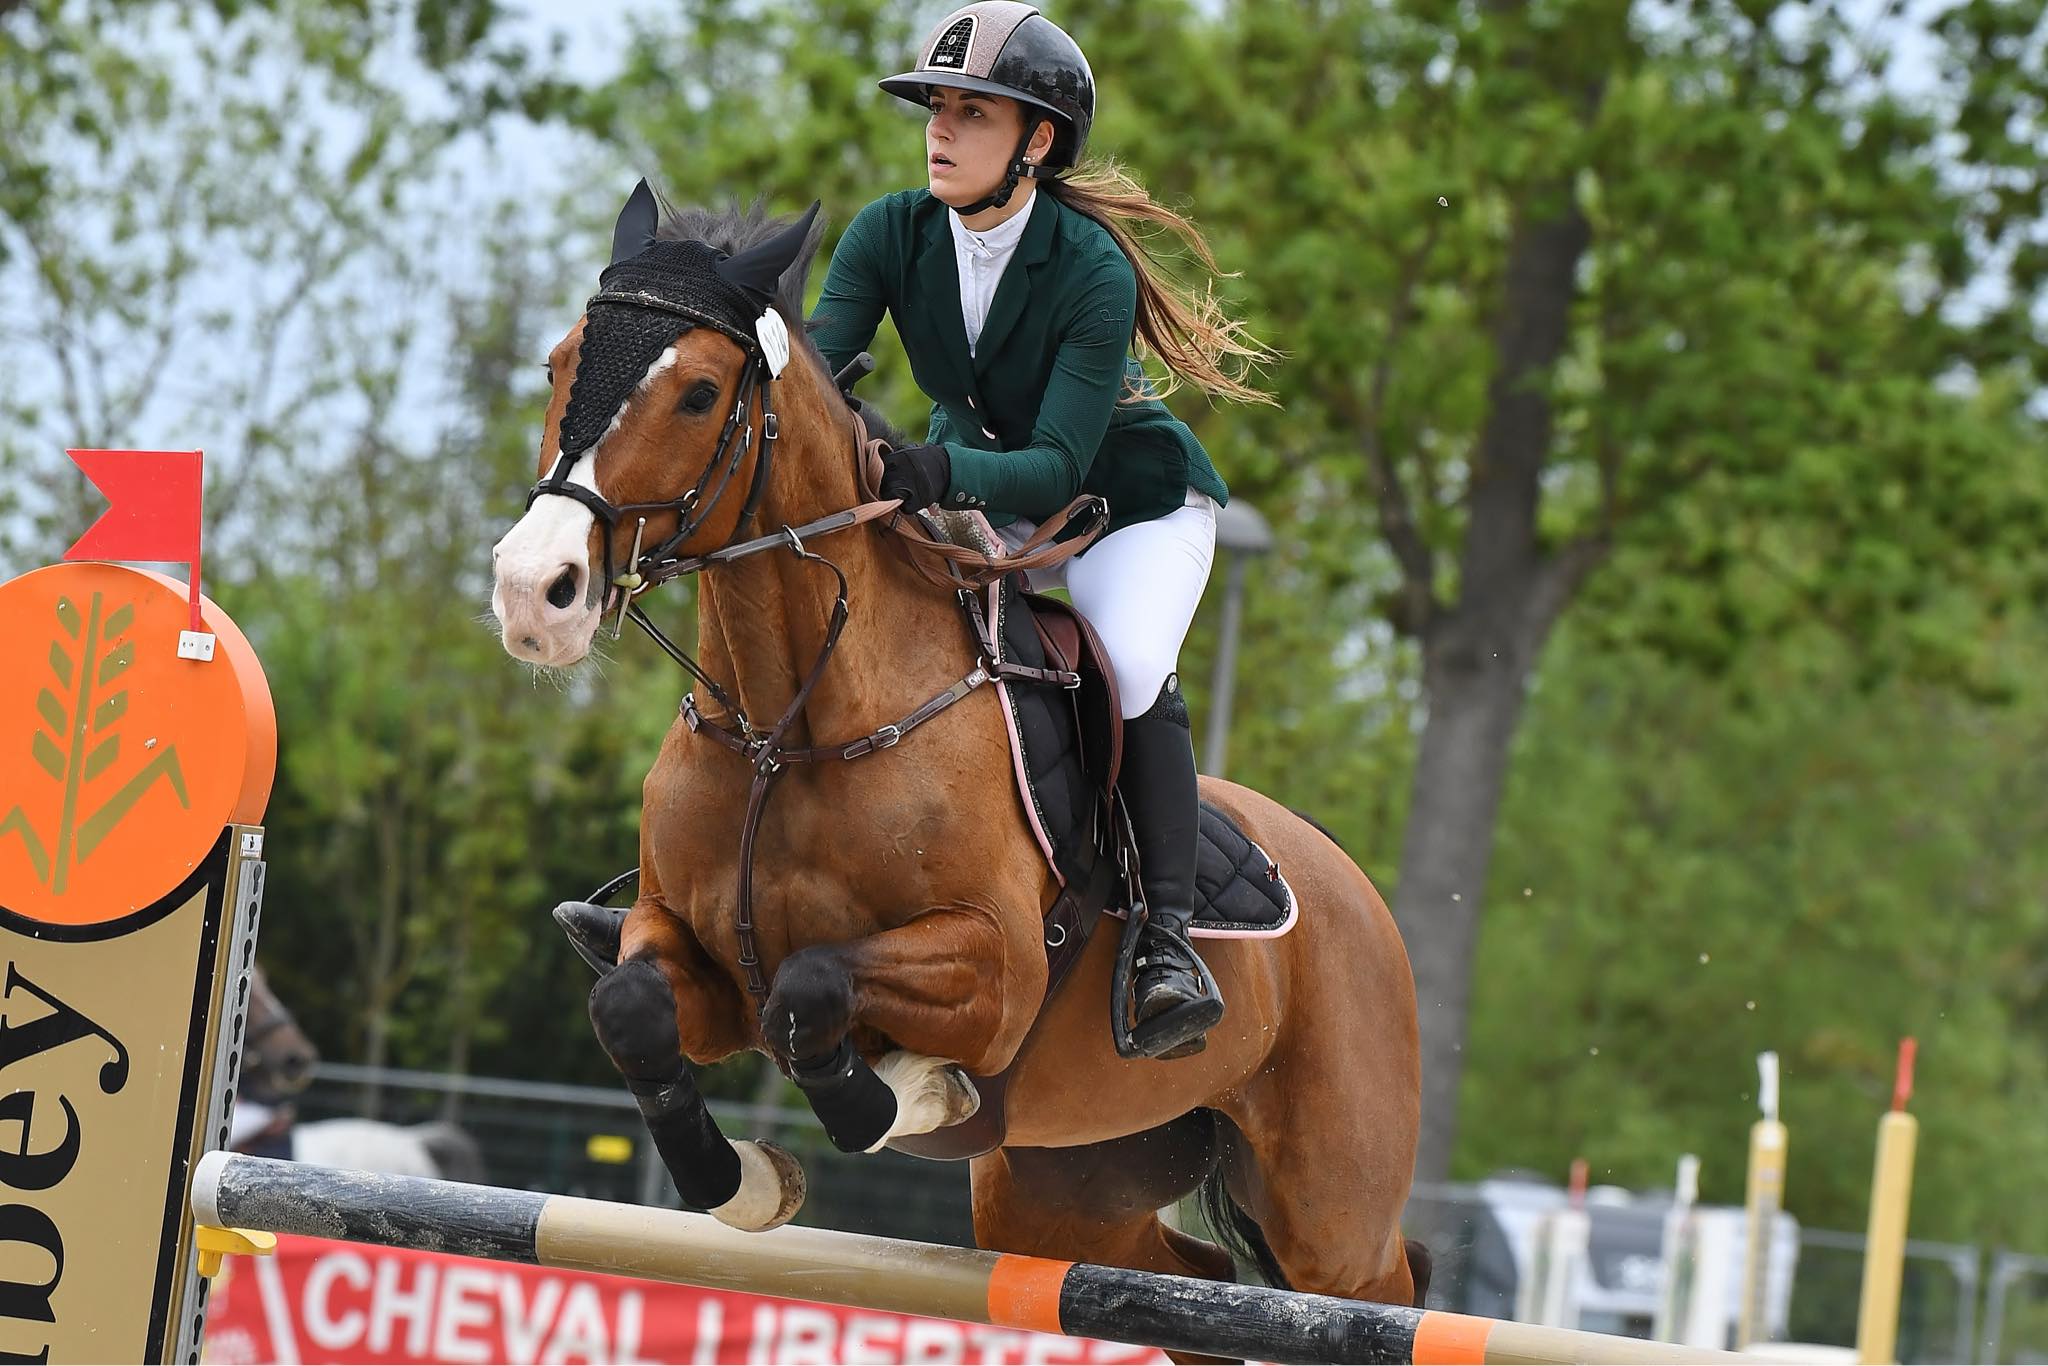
[{"x": 1004, "y": 47}]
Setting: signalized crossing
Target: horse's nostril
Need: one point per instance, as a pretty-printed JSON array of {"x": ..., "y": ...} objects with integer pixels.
[{"x": 562, "y": 591}]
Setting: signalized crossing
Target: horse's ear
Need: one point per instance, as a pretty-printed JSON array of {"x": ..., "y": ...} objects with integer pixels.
[
  {"x": 759, "y": 269},
  {"x": 637, "y": 221}
]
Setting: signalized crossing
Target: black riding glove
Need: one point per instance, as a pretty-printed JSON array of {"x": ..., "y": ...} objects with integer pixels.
[{"x": 919, "y": 475}]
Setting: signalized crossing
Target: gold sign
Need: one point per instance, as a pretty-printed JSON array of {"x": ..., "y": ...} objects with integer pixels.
[{"x": 129, "y": 884}]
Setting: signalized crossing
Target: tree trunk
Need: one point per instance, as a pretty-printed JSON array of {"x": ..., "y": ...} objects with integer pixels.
[
  {"x": 1479, "y": 655},
  {"x": 1474, "y": 705}
]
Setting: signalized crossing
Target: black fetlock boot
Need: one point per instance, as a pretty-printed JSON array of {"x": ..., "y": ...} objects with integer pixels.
[{"x": 1176, "y": 997}]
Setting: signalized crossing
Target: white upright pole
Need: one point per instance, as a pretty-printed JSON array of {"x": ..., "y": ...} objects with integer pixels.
[{"x": 1679, "y": 1253}]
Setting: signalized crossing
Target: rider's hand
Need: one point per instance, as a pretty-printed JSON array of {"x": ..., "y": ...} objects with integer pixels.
[{"x": 919, "y": 475}]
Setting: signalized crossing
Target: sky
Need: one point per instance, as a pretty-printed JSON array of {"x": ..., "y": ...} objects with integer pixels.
[{"x": 511, "y": 162}]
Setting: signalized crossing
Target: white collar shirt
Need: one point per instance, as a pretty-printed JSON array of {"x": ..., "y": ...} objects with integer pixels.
[{"x": 981, "y": 257}]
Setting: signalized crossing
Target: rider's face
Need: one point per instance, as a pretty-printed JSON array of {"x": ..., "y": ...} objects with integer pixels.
[{"x": 969, "y": 142}]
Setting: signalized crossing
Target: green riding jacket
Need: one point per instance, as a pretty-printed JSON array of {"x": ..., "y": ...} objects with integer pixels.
[{"x": 1032, "y": 419}]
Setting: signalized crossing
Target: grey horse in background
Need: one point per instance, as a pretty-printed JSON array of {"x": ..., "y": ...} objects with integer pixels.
[{"x": 279, "y": 1062}]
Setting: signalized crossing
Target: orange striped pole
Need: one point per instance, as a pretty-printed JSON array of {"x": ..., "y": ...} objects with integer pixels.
[{"x": 1073, "y": 1298}]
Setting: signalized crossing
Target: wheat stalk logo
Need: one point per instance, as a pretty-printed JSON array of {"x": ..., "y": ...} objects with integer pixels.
[{"x": 83, "y": 712}]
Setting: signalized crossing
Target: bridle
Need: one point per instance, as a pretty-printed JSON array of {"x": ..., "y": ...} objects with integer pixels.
[
  {"x": 958, "y": 568},
  {"x": 693, "y": 509}
]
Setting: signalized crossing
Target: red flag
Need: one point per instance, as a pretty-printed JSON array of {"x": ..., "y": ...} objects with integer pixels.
[{"x": 154, "y": 499}]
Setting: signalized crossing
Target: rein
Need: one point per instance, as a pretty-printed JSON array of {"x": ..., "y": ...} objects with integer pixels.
[{"x": 959, "y": 568}]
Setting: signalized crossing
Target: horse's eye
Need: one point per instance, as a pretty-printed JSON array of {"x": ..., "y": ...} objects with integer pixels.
[
  {"x": 548, "y": 369},
  {"x": 701, "y": 397}
]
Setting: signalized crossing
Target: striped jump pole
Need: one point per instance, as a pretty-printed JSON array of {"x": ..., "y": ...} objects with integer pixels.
[{"x": 234, "y": 1191}]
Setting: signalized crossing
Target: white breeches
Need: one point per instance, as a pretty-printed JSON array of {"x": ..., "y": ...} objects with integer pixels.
[{"x": 1139, "y": 588}]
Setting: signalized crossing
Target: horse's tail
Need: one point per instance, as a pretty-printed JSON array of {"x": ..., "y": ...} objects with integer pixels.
[
  {"x": 1328, "y": 833},
  {"x": 1239, "y": 1233},
  {"x": 1420, "y": 1263},
  {"x": 1243, "y": 1239}
]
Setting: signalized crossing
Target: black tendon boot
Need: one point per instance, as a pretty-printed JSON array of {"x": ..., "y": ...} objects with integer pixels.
[
  {"x": 1177, "y": 999},
  {"x": 634, "y": 1014}
]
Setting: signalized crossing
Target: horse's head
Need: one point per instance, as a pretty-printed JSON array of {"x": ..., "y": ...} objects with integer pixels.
[
  {"x": 277, "y": 1057},
  {"x": 651, "y": 448}
]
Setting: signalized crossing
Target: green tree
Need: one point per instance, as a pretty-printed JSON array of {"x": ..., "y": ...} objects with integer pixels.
[
  {"x": 1787, "y": 859},
  {"x": 155, "y": 160}
]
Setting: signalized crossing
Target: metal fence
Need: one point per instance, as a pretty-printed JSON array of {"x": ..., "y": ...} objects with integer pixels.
[
  {"x": 1938, "y": 1296},
  {"x": 584, "y": 1140},
  {"x": 2016, "y": 1309}
]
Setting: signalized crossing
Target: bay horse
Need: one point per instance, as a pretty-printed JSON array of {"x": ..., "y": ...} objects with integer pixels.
[{"x": 894, "y": 903}]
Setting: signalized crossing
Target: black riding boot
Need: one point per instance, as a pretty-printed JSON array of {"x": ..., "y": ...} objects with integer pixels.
[{"x": 1177, "y": 999}]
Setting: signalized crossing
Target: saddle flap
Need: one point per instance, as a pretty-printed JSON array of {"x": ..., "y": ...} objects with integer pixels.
[{"x": 1069, "y": 638}]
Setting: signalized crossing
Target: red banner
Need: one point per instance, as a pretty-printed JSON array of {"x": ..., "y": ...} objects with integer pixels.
[{"x": 316, "y": 1301}]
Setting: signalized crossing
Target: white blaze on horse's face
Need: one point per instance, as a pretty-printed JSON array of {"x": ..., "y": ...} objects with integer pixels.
[{"x": 547, "y": 581}]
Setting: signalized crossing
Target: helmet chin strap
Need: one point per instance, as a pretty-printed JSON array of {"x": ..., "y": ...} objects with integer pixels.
[{"x": 1019, "y": 169}]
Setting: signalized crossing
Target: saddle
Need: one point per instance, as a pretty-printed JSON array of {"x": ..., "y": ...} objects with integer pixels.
[{"x": 1066, "y": 745}]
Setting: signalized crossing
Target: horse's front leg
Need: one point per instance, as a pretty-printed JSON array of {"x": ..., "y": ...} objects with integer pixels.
[
  {"x": 641, "y": 1011},
  {"x": 952, "y": 988}
]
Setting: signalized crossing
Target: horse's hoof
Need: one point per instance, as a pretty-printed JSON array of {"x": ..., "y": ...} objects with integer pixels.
[
  {"x": 930, "y": 1094},
  {"x": 963, "y": 1097},
  {"x": 772, "y": 1188}
]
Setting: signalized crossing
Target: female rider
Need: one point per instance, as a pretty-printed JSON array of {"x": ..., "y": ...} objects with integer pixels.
[{"x": 1017, "y": 292}]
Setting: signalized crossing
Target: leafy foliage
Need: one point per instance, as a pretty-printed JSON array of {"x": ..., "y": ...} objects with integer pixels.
[{"x": 1706, "y": 868}]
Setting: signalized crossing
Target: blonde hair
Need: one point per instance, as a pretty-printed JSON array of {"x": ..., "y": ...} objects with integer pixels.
[{"x": 1186, "y": 328}]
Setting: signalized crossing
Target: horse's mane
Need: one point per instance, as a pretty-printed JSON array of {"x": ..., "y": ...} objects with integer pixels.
[{"x": 732, "y": 230}]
